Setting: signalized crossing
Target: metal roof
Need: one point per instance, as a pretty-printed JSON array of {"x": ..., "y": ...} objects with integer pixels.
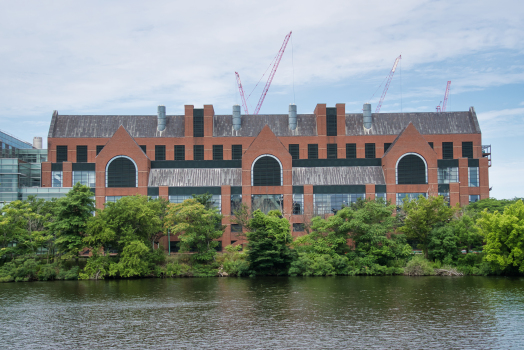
[{"x": 354, "y": 175}]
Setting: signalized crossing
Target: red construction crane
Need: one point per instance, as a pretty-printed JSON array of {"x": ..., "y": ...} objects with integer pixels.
[
  {"x": 446, "y": 94},
  {"x": 273, "y": 71},
  {"x": 389, "y": 77},
  {"x": 241, "y": 89}
]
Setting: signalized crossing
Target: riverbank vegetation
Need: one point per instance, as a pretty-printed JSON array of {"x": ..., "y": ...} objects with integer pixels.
[{"x": 42, "y": 240}]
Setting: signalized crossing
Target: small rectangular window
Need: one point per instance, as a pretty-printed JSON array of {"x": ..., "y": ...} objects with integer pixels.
[
  {"x": 447, "y": 150},
  {"x": 312, "y": 151},
  {"x": 474, "y": 198},
  {"x": 61, "y": 154},
  {"x": 160, "y": 152},
  {"x": 332, "y": 151},
  {"x": 351, "y": 150},
  {"x": 236, "y": 228},
  {"x": 331, "y": 121},
  {"x": 370, "y": 150},
  {"x": 386, "y": 147},
  {"x": 294, "y": 150},
  {"x": 99, "y": 149},
  {"x": 81, "y": 154},
  {"x": 298, "y": 227},
  {"x": 431, "y": 145},
  {"x": 144, "y": 148},
  {"x": 198, "y": 152},
  {"x": 473, "y": 177},
  {"x": 236, "y": 152},
  {"x": 467, "y": 149},
  {"x": 180, "y": 152},
  {"x": 218, "y": 152},
  {"x": 198, "y": 123}
]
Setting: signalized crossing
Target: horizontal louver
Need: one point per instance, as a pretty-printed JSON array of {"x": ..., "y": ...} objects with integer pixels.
[
  {"x": 370, "y": 150},
  {"x": 160, "y": 152},
  {"x": 411, "y": 170},
  {"x": 198, "y": 152},
  {"x": 351, "y": 150},
  {"x": 267, "y": 172},
  {"x": 467, "y": 149},
  {"x": 294, "y": 150},
  {"x": 121, "y": 172},
  {"x": 81, "y": 154},
  {"x": 236, "y": 152},
  {"x": 180, "y": 152},
  {"x": 198, "y": 123},
  {"x": 447, "y": 150},
  {"x": 332, "y": 150},
  {"x": 218, "y": 152},
  {"x": 61, "y": 154},
  {"x": 331, "y": 121},
  {"x": 312, "y": 151}
]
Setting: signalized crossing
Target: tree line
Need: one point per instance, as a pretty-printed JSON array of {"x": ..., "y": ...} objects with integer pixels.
[{"x": 43, "y": 240}]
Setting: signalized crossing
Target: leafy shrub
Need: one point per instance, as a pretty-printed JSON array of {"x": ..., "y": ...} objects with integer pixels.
[
  {"x": 71, "y": 274},
  {"x": 418, "y": 266}
]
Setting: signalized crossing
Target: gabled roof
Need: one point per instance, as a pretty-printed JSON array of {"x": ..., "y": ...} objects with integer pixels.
[
  {"x": 252, "y": 125},
  {"x": 107, "y": 125},
  {"x": 427, "y": 123}
]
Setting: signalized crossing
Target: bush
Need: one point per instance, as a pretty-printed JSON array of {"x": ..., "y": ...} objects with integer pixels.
[{"x": 418, "y": 266}]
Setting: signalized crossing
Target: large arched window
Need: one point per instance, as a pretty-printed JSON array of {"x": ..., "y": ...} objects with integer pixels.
[
  {"x": 412, "y": 169},
  {"x": 121, "y": 172},
  {"x": 266, "y": 171}
]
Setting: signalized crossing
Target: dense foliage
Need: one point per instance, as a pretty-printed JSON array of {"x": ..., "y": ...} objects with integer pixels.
[{"x": 42, "y": 240}]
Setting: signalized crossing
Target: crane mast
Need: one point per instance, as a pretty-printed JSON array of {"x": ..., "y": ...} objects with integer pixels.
[
  {"x": 390, "y": 76},
  {"x": 241, "y": 89},
  {"x": 273, "y": 71},
  {"x": 446, "y": 94}
]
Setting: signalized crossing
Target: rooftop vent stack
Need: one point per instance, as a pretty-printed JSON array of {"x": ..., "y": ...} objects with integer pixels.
[
  {"x": 236, "y": 117},
  {"x": 37, "y": 142},
  {"x": 367, "y": 116},
  {"x": 161, "y": 118},
  {"x": 292, "y": 116}
]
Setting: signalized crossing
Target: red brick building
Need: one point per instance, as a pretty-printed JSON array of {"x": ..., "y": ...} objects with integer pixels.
[{"x": 302, "y": 164}]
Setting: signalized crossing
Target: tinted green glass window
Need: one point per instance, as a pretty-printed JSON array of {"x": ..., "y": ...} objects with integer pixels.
[
  {"x": 370, "y": 150},
  {"x": 447, "y": 150},
  {"x": 351, "y": 150},
  {"x": 160, "y": 152},
  {"x": 267, "y": 172},
  {"x": 180, "y": 152},
  {"x": 294, "y": 150},
  {"x": 332, "y": 150},
  {"x": 198, "y": 152},
  {"x": 121, "y": 172},
  {"x": 467, "y": 149},
  {"x": 236, "y": 152},
  {"x": 218, "y": 152},
  {"x": 61, "y": 154},
  {"x": 331, "y": 121},
  {"x": 312, "y": 151},
  {"x": 81, "y": 154},
  {"x": 411, "y": 170},
  {"x": 198, "y": 123}
]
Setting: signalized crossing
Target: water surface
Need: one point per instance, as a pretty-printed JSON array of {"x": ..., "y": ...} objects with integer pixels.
[{"x": 265, "y": 313}]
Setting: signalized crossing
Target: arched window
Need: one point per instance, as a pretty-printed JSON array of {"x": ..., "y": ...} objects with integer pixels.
[
  {"x": 121, "y": 172},
  {"x": 266, "y": 171},
  {"x": 411, "y": 169}
]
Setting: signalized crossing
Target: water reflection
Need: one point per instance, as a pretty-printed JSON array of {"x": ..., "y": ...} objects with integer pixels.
[{"x": 239, "y": 313}]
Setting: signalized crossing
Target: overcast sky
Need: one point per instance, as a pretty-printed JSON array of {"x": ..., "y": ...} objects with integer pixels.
[{"x": 127, "y": 57}]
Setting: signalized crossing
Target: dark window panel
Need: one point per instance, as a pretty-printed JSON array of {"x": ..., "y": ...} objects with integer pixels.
[
  {"x": 180, "y": 152},
  {"x": 236, "y": 152},
  {"x": 81, "y": 154},
  {"x": 61, "y": 154},
  {"x": 198, "y": 123},
  {"x": 431, "y": 145},
  {"x": 467, "y": 149},
  {"x": 294, "y": 150},
  {"x": 99, "y": 149},
  {"x": 331, "y": 121},
  {"x": 160, "y": 152},
  {"x": 218, "y": 152},
  {"x": 351, "y": 150},
  {"x": 386, "y": 147},
  {"x": 332, "y": 151},
  {"x": 312, "y": 151},
  {"x": 267, "y": 172},
  {"x": 144, "y": 148},
  {"x": 236, "y": 228},
  {"x": 198, "y": 152},
  {"x": 298, "y": 227},
  {"x": 411, "y": 169},
  {"x": 121, "y": 172},
  {"x": 447, "y": 150},
  {"x": 370, "y": 150}
]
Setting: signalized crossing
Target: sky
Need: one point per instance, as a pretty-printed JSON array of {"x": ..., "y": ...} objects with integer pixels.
[{"x": 128, "y": 57}]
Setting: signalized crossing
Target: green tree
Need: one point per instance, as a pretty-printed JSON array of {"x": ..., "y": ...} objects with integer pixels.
[
  {"x": 444, "y": 244},
  {"x": 467, "y": 232},
  {"x": 422, "y": 216},
  {"x": 71, "y": 215},
  {"x": 268, "y": 244},
  {"x": 504, "y": 237},
  {"x": 198, "y": 228}
]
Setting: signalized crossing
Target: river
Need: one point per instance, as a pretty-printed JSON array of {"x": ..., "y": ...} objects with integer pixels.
[{"x": 396, "y": 312}]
